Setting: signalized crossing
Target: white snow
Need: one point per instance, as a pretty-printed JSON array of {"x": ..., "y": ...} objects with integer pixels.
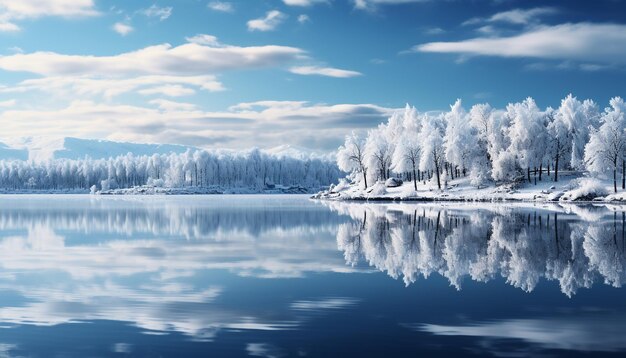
[{"x": 572, "y": 186}]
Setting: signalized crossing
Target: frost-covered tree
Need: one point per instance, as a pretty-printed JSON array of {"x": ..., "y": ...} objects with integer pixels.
[
  {"x": 456, "y": 138},
  {"x": 560, "y": 135},
  {"x": 351, "y": 156},
  {"x": 406, "y": 156},
  {"x": 482, "y": 120},
  {"x": 528, "y": 135},
  {"x": 605, "y": 150},
  {"x": 378, "y": 152},
  {"x": 463, "y": 146},
  {"x": 569, "y": 132},
  {"x": 432, "y": 154}
]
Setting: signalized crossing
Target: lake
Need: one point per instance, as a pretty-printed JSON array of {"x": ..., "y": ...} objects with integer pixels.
[{"x": 285, "y": 276}]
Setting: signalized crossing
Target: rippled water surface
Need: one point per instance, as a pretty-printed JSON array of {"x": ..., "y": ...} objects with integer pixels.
[{"x": 280, "y": 276}]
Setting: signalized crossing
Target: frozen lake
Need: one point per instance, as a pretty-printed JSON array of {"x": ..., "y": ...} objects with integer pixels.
[{"x": 281, "y": 276}]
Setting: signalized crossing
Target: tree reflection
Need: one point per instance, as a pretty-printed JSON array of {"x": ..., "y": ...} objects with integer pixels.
[{"x": 574, "y": 245}]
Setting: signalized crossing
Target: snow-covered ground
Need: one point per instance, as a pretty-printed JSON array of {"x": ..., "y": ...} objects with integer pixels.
[{"x": 571, "y": 187}]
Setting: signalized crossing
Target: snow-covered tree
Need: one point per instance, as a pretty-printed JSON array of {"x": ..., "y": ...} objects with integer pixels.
[
  {"x": 432, "y": 154},
  {"x": 378, "y": 152},
  {"x": 406, "y": 156},
  {"x": 605, "y": 150},
  {"x": 351, "y": 156},
  {"x": 528, "y": 135},
  {"x": 569, "y": 132}
]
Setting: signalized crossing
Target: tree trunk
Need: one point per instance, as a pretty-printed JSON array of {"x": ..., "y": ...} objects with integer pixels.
[
  {"x": 437, "y": 170},
  {"x": 623, "y": 174},
  {"x": 556, "y": 167},
  {"x": 364, "y": 177},
  {"x": 528, "y": 170},
  {"x": 414, "y": 179},
  {"x": 615, "y": 177},
  {"x": 540, "y": 170}
]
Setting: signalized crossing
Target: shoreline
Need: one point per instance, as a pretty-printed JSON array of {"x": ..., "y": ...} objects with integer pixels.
[{"x": 456, "y": 200}]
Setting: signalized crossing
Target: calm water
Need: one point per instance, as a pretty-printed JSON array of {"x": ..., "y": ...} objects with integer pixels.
[{"x": 280, "y": 276}]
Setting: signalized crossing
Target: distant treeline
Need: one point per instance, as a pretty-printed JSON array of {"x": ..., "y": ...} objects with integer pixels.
[{"x": 254, "y": 169}]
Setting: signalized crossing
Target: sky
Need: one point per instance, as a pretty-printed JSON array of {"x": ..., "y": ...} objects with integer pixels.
[{"x": 264, "y": 73}]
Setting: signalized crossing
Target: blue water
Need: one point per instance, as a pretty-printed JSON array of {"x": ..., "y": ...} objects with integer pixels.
[{"x": 284, "y": 276}]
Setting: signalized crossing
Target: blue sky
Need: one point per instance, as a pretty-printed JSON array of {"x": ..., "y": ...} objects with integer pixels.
[{"x": 263, "y": 73}]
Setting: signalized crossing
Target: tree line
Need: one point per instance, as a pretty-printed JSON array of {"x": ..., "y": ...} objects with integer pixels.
[
  {"x": 518, "y": 143},
  {"x": 254, "y": 169}
]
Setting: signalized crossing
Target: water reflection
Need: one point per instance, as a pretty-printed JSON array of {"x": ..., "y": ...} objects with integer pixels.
[
  {"x": 574, "y": 245},
  {"x": 156, "y": 262},
  {"x": 286, "y": 275}
]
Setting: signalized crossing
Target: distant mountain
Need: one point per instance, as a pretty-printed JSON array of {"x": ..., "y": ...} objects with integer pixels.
[
  {"x": 44, "y": 148},
  {"x": 299, "y": 152},
  {"x": 75, "y": 148},
  {"x": 7, "y": 152}
]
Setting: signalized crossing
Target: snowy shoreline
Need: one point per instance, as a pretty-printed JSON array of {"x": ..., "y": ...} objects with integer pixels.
[
  {"x": 154, "y": 190},
  {"x": 574, "y": 187}
]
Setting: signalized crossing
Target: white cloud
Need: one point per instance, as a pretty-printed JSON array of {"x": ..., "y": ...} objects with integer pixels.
[
  {"x": 271, "y": 20},
  {"x": 187, "y": 59},
  {"x": 8, "y": 27},
  {"x": 241, "y": 126},
  {"x": 303, "y": 2},
  {"x": 303, "y": 19},
  {"x": 122, "y": 28},
  {"x": 584, "y": 42},
  {"x": 202, "y": 39},
  {"x": 371, "y": 4},
  {"x": 168, "y": 106},
  {"x": 155, "y": 11},
  {"x": 323, "y": 71},
  {"x": 434, "y": 31},
  {"x": 8, "y": 103},
  {"x": 168, "y": 90},
  {"x": 15, "y": 10},
  {"x": 109, "y": 88},
  {"x": 221, "y": 6},
  {"x": 24, "y": 9},
  {"x": 522, "y": 16}
]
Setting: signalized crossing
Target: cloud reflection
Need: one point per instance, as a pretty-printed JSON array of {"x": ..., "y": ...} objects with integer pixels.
[
  {"x": 601, "y": 332},
  {"x": 82, "y": 259}
]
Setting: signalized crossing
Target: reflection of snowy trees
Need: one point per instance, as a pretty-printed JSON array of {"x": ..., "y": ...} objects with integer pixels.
[
  {"x": 191, "y": 218},
  {"x": 521, "y": 245}
]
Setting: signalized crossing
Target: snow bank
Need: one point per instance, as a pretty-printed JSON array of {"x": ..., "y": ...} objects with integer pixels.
[
  {"x": 587, "y": 190},
  {"x": 572, "y": 187}
]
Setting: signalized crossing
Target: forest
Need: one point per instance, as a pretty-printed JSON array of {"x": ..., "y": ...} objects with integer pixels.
[
  {"x": 254, "y": 170},
  {"x": 520, "y": 143}
]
